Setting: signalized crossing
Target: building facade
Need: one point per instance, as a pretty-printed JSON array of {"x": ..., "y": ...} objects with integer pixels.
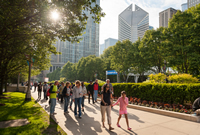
[
  {"x": 73, "y": 52},
  {"x": 107, "y": 43},
  {"x": 192, "y": 3},
  {"x": 132, "y": 24},
  {"x": 150, "y": 27},
  {"x": 184, "y": 7},
  {"x": 165, "y": 15}
]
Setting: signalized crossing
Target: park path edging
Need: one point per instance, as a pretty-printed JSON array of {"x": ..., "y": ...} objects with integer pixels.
[{"x": 183, "y": 116}]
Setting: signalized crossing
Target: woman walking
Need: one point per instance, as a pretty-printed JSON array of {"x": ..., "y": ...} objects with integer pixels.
[
  {"x": 123, "y": 100},
  {"x": 106, "y": 105},
  {"x": 77, "y": 97},
  {"x": 84, "y": 90},
  {"x": 71, "y": 93},
  {"x": 66, "y": 95}
]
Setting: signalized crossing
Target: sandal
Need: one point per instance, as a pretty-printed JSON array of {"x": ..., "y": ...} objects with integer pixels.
[
  {"x": 111, "y": 128},
  {"x": 129, "y": 128},
  {"x": 118, "y": 125}
]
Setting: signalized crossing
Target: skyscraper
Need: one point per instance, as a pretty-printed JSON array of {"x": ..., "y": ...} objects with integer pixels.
[
  {"x": 73, "y": 52},
  {"x": 192, "y": 3},
  {"x": 150, "y": 27},
  {"x": 132, "y": 24},
  {"x": 165, "y": 15},
  {"x": 101, "y": 48},
  {"x": 107, "y": 43},
  {"x": 184, "y": 7}
]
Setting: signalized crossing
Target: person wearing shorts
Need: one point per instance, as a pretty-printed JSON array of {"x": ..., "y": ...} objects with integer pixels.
[{"x": 123, "y": 100}]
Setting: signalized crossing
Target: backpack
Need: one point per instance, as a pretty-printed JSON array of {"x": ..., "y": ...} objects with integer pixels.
[{"x": 48, "y": 94}]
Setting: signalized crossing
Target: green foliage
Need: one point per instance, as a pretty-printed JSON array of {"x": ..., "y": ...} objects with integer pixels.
[
  {"x": 183, "y": 78},
  {"x": 159, "y": 92},
  {"x": 55, "y": 75},
  {"x": 157, "y": 78},
  {"x": 17, "y": 108}
]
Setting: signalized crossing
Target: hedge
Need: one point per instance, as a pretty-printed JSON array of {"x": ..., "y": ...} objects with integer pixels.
[{"x": 158, "y": 92}]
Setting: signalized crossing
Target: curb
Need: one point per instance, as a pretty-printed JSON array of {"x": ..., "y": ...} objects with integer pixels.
[{"x": 182, "y": 116}]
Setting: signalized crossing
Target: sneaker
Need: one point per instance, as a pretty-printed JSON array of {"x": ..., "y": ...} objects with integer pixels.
[
  {"x": 67, "y": 111},
  {"x": 80, "y": 117},
  {"x": 54, "y": 113}
]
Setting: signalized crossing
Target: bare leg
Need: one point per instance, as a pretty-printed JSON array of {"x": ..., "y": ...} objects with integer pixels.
[
  {"x": 119, "y": 119},
  {"x": 126, "y": 116},
  {"x": 103, "y": 124}
]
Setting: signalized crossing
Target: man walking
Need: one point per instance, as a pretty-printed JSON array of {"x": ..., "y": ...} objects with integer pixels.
[
  {"x": 45, "y": 87},
  {"x": 53, "y": 91},
  {"x": 39, "y": 90},
  {"x": 35, "y": 84},
  {"x": 60, "y": 92},
  {"x": 90, "y": 92},
  {"x": 96, "y": 89}
]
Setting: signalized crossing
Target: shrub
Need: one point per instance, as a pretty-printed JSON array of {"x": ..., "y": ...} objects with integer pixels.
[{"x": 183, "y": 78}]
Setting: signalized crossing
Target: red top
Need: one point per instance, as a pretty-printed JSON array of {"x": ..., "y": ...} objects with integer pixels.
[{"x": 96, "y": 86}]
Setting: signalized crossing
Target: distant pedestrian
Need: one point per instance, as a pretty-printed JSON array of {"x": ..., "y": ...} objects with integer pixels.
[
  {"x": 66, "y": 95},
  {"x": 96, "y": 89},
  {"x": 35, "y": 84},
  {"x": 71, "y": 93},
  {"x": 53, "y": 91},
  {"x": 45, "y": 88},
  {"x": 84, "y": 90},
  {"x": 60, "y": 91},
  {"x": 77, "y": 97},
  {"x": 90, "y": 92},
  {"x": 39, "y": 90},
  {"x": 196, "y": 106},
  {"x": 106, "y": 106},
  {"x": 123, "y": 100}
]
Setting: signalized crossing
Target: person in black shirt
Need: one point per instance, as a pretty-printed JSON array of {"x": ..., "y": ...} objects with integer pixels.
[
  {"x": 71, "y": 92},
  {"x": 39, "y": 90},
  {"x": 196, "y": 106},
  {"x": 90, "y": 92},
  {"x": 106, "y": 105}
]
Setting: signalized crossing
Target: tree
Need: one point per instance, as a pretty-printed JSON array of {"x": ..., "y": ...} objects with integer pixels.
[
  {"x": 119, "y": 56},
  {"x": 27, "y": 28},
  {"x": 55, "y": 75},
  {"x": 152, "y": 49}
]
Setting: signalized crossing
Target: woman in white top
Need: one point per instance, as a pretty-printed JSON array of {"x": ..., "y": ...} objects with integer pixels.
[
  {"x": 77, "y": 97},
  {"x": 84, "y": 90}
]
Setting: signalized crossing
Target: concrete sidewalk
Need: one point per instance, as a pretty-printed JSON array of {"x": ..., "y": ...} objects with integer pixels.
[{"x": 142, "y": 123}]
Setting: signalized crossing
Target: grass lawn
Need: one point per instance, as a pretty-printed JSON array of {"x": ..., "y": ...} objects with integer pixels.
[{"x": 17, "y": 108}]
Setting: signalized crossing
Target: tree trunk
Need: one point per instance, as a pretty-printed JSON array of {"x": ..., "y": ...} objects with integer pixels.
[
  {"x": 1, "y": 86},
  {"x": 5, "y": 83}
]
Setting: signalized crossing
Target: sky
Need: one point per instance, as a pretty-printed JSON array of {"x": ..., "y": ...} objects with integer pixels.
[{"x": 112, "y": 8}]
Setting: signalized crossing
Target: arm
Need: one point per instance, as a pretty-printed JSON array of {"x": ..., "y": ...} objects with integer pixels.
[
  {"x": 116, "y": 102},
  {"x": 74, "y": 92},
  {"x": 125, "y": 101}
]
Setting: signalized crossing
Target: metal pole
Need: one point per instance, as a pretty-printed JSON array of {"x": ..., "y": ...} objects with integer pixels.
[
  {"x": 28, "y": 92},
  {"x": 18, "y": 83}
]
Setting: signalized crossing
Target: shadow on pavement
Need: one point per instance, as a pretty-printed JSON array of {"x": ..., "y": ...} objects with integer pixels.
[
  {"x": 52, "y": 128},
  {"x": 128, "y": 132},
  {"x": 130, "y": 116},
  {"x": 86, "y": 126}
]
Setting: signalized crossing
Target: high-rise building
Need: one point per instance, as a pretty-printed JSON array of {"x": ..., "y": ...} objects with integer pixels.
[
  {"x": 101, "y": 48},
  {"x": 107, "y": 43},
  {"x": 184, "y": 7},
  {"x": 132, "y": 24},
  {"x": 73, "y": 52},
  {"x": 192, "y": 3},
  {"x": 165, "y": 15}
]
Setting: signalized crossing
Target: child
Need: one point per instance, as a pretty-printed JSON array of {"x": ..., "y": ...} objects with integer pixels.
[{"x": 123, "y": 103}]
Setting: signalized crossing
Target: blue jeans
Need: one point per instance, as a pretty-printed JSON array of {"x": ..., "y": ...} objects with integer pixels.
[
  {"x": 77, "y": 102},
  {"x": 71, "y": 100},
  {"x": 95, "y": 95},
  {"x": 52, "y": 105},
  {"x": 82, "y": 102},
  {"x": 66, "y": 104}
]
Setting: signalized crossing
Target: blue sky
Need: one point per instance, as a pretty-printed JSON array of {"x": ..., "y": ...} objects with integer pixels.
[{"x": 112, "y": 8}]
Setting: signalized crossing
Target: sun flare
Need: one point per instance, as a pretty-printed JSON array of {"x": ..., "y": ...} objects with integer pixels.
[{"x": 54, "y": 15}]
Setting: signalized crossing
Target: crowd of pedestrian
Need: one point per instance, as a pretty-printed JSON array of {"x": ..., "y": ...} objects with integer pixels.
[{"x": 69, "y": 93}]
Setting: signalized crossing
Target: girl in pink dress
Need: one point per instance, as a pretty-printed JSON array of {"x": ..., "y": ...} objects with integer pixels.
[{"x": 123, "y": 100}]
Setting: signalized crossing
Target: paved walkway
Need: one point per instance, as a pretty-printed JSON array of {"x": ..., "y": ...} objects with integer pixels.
[{"x": 142, "y": 123}]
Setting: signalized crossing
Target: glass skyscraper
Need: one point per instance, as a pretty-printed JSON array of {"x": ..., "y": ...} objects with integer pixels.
[
  {"x": 184, "y": 7},
  {"x": 73, "y": 52},
  {"x": 192, "y": 3},
  {"x": 132, "y": 24}
]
